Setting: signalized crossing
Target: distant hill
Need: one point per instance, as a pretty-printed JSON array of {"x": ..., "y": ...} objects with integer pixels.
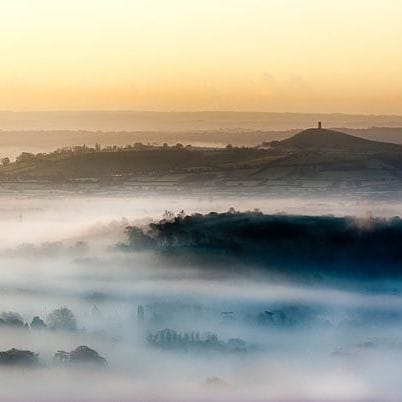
[
  {"x": 12, "y": 143},
  {"x": 312, "y": 160},
  {"x": 323, "y": 139}
]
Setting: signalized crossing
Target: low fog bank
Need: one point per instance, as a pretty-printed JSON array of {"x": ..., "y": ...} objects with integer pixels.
[
  {"x": 169, "y": 338},
  {"x": 50, "y": 216},
  {"x": 183, "y": 330}
]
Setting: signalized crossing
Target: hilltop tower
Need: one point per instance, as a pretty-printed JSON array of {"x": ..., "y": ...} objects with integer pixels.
[{"x": 319, "y": 125}]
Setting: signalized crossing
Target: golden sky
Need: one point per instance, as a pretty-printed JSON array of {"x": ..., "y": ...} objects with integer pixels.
[{"x": 251, "y": 55}]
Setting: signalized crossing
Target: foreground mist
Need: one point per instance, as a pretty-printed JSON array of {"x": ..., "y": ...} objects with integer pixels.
[{"x": 175, "y": 323}]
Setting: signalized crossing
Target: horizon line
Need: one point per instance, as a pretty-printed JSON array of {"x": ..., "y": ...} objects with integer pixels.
[{"x": 196, "y": 112}]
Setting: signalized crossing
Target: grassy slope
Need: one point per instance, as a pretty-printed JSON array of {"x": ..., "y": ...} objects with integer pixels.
[
  {"x": 154, "y": 161},
  {"x": 316, "y": 154}
]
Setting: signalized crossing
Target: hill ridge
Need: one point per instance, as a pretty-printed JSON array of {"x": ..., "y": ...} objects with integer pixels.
[{"x": 321, "y": 138}]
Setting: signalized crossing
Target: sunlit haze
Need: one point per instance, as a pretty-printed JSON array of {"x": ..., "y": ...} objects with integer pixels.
[{"x": 242, "y": 55}]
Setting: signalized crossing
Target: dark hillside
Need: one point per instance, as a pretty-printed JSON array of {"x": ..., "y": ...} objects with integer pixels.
[
  {"x": 322, "y": 139},
  {"x": 294, "y": 245}
]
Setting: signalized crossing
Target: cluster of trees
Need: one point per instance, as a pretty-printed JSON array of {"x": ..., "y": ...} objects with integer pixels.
[
  {"x": 298, "y": 245},
  {"x": 25, "y": 358},
  {"x": 59, "y": 319},
  {"x": 66, "y": 152},
  {"x": 18, "y": 357},
  {"x": 171, "y": 339},
  {"x": 175, "y": 230},
  {"x": 82, "y": 354}
]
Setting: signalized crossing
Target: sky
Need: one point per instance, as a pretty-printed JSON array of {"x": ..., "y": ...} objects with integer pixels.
[{"x": 178, "y": 55}]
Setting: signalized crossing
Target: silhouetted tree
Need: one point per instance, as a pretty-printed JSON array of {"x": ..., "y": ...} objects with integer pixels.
[
  {"x": 38, "y": 323},
  {"x": 12, "y": 319},
  {"x": 62, "y": 318},
  {"x": 5, "y": 161}
]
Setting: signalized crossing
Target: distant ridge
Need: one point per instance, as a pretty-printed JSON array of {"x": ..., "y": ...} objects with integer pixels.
[
  {"x": 323, "y": 139},
  {"x": 184, "y": 121}
]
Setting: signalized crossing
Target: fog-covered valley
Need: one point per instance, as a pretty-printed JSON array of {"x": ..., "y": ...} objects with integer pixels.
[
  {"x": 182, "y": 329},
  {"x": 200, "y": 201}
]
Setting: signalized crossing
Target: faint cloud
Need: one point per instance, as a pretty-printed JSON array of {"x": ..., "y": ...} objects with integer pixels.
[
  {"x": 293, "y": 84},
  {"x": 266, "y": 78},
  {"x": 297, "y": 82}
]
